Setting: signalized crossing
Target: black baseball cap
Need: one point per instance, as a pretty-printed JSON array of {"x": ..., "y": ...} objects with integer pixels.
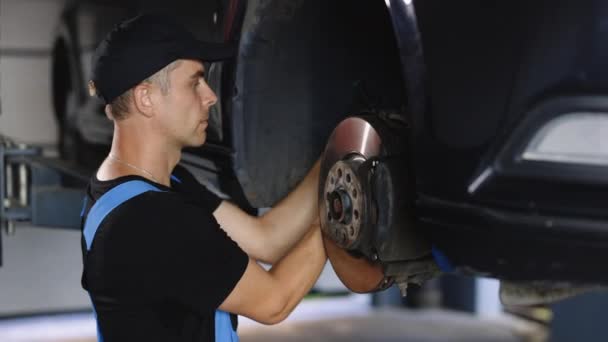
[{"x": 139, "y": 47}]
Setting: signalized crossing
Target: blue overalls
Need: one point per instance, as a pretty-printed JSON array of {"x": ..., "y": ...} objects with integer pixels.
[{"x": 112, "y": 199}]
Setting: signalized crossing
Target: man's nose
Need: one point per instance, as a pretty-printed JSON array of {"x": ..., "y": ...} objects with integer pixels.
[
  {"x": 213, "y": 98},
  {"x": 209, "y": 97}
]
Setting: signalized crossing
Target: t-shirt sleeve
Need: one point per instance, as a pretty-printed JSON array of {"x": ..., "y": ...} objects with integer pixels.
[
  {"x": 199, "y": 265},
  {"x": 186, "y": 183}
]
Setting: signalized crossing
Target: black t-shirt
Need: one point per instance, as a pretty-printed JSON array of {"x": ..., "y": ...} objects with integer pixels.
[{"x": 160, "y": 265}]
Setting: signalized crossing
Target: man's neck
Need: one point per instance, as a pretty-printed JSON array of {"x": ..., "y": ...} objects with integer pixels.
[{"x": 156, "y": 157}]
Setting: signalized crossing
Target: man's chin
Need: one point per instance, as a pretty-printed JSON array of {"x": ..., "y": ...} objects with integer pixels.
[
  {"x": 195, "y": 141},
  {"x": 198, "y": 142}
]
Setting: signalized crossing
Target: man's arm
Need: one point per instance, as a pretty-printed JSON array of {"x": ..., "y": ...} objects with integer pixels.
[
  {"x": 269, "y": 296},
  {"x": 267, "y": 238}
]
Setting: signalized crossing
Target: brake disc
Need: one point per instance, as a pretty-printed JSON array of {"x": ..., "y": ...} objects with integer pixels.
[{"x": 346, "y": 209}]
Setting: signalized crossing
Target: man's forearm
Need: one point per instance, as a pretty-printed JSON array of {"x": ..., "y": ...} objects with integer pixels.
[
  {"x": 298, "y": 271},
  {"x": 287, "y": 221}
]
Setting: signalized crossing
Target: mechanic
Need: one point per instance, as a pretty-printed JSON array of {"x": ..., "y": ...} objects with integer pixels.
[{"x": 164, "y": 258}]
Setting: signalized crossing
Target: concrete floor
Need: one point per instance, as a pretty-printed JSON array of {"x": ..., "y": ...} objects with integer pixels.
[
  {"x": 337, "y": 319},
  {"x": 398, "y": 325}
]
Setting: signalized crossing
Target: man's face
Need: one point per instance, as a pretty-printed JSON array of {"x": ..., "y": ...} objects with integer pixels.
[{"x": 184, "y": 111}]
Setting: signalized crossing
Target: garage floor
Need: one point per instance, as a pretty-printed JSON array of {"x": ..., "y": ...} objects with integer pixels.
[{"x": 338, "y": 319}]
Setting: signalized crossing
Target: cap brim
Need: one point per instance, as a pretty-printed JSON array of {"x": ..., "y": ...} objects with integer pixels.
[{"x": 210, "y": 52}]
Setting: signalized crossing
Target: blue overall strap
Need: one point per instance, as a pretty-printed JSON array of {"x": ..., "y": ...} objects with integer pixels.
[
  {"x": 110, "y": 200},
  {"x": 102, "y": 207},
  {"x": 223, "y": 328},
  {"x": 442, "y": 260}
]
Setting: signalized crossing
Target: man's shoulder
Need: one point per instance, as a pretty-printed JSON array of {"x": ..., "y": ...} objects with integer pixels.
[
  {"x": 196, "y": 190},
  {"x": 155, "y": 211},
  {"x": 157, "y": 202},
  {"x": 151, "y": 199},
  {"x": 146, "y": 201}
]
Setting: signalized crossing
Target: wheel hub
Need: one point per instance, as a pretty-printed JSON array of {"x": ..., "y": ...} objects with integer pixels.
[{"x": 344, "y": 202}]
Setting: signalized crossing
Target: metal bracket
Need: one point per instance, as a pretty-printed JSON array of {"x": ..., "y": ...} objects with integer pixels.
[
  {"x": 412, "y": 272},
  {"x": 15, "y": 183},
  {"x": 44, "y": 191},
  {"x": 14, "y": 195}
]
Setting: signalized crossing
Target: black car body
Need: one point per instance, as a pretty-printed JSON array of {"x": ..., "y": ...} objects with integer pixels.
[{"x": 497, "y": 101}]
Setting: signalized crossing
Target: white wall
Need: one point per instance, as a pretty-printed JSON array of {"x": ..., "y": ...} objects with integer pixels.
[
  {"x": 26, "y": 32},
  {"x": 41, "y": 270}
]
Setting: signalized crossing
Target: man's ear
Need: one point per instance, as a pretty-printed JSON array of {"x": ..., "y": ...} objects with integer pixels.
[
  {"x": 142, "y": 98},
  {"x": 108, "y": 110}
]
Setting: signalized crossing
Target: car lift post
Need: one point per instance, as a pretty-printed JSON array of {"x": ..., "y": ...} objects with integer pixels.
[
  {"x": 33, "y": 188},
  {"x": 14, "y": 199}
]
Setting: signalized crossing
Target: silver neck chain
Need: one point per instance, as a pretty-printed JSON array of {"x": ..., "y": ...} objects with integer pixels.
[{"x": 133, "y": 166}]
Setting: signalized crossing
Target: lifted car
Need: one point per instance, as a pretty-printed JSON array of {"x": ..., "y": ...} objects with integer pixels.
[{"x": 467, "y": 135}]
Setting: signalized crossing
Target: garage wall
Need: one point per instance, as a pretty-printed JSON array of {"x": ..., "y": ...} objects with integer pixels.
[
  {"x": 26, "y": 32},
  {"x": 41, "y": 270}
]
